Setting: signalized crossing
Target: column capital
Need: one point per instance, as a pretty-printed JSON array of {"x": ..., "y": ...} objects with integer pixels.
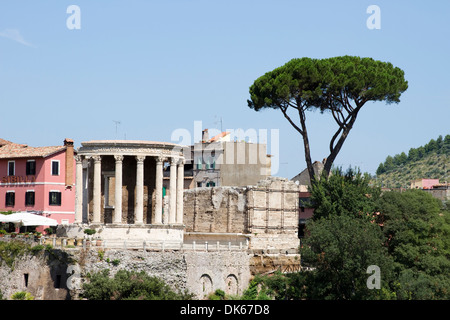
[
  {"x": 181, "y": 161},
  {"x": 78, "y": 158},
  {"x": 97, "y": 158},
  {"x": 159, "y": 159},
  {"x": 140, "y": 158},
  {"x": 118, "y": 157},
  {"x": 173, "y": 161}
]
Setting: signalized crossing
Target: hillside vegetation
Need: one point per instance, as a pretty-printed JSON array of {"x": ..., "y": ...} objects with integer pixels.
[{"x": 430, "y": 161}]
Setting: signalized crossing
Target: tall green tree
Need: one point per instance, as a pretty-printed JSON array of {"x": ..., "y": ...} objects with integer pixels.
[
  {"x": 340, "y": 86},
  {"x": 342, "y": 193},
  {"x": 417, "y": 233},
  {"x": 341, "y": 248}
]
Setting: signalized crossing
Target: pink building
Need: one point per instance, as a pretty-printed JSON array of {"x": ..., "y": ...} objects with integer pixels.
[
  {"x": 38, "y": 179},
  {"x": 424, "y": 183}
]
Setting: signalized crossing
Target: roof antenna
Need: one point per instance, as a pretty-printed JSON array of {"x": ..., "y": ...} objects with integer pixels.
[{"x": 117, "y": 123}]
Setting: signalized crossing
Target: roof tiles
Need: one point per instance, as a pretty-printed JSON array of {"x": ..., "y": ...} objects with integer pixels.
[{"x": 14, "y": 150}]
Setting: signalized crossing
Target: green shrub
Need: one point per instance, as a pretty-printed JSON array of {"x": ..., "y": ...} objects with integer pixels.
[
  {"x": 115, "y": 262},
  {"x": 12, "y": 249},
  {"x": 217, "y": 295},
  {"x": 89, "y": 231},
  {"x": 22, "y": 295},
  {"x": 37, "y": 248},
  {"x": 129, "y": 285}
]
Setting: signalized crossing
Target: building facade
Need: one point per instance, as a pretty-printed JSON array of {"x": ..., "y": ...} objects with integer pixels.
[
  {"x": 38, "y": 179},
  {"x": 424, "y": 183},
  {"x": 221, "y": 162}
]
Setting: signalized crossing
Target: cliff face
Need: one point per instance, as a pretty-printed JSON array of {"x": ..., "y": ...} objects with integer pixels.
[
  {"x": 41, "y": 273},
  {"x": 59, "y": 274},
  {"x": 55, "y": 274}
]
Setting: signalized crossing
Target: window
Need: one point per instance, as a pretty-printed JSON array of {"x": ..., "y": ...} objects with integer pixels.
[
  {"x": 10, "y": 199},
  {"x": 199, "y": 184},
  {"x": 211, "y": 184},
  {"x": 31, "y": 167},
  {"x": 29, "y": 198},
  {"x": 11, "y": 168},
  {"x": 55, "y": 168},
  {"x": 199, "y": 163},
  {"x": 55, "y": 198}
]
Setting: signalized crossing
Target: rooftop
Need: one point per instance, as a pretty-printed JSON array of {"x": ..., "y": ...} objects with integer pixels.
[
  {"x": 127, "y": 143},
  {"x": 15, "y": 150},
  {"x": 11, "y": 150}
]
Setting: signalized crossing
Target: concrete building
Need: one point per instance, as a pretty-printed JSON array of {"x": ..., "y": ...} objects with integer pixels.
[
  {"x": 219, "y": 161},
  {"x": 303, "y": 178},
  {"x": 38, "y": 179},
  {"x": 119, "y": 190}
]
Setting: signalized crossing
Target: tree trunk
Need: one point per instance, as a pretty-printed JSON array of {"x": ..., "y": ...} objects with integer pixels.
[
  {"x": 309, "y": 165},
  {"x": 333, "y": 154},
  {"x": 308, "y": 161}
]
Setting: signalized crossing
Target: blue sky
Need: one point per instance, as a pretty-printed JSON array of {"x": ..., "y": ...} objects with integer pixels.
[{"x": 159, "y": 66}]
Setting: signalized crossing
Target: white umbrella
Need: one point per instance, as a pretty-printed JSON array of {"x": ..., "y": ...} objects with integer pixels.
[{"x": 28, "y": 219}]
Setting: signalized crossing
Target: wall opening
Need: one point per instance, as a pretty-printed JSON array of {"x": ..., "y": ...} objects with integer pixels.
[
  {"x": 206, "y": 284},
  {"x": 25, "y": 278},
  {"x": 58, "y": 281},
  {"x": 231, "y": 283}
]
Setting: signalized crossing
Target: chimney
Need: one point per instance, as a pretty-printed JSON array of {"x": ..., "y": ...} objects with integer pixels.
[
  {"x": 68, "y": 143},
  {"x": 205, "y": 136}
]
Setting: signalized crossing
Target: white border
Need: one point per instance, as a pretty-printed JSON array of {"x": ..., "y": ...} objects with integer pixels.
[{"x": 51, "y": 168}]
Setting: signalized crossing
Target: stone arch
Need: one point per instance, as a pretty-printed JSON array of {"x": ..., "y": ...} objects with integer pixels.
[
  {"x": 231, "y": 284},
  {"x": 206, "y": 284}
]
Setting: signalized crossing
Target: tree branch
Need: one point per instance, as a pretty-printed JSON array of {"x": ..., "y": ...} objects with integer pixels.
[
  {"x": 333, "y": 139},
  {"x": 284, "y": 109}
]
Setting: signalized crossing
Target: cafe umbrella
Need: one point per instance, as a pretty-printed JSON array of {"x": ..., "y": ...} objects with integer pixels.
[{"x": 27, "y": 219}]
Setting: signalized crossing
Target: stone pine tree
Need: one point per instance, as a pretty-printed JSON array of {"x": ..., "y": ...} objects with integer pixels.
[{"x": 340, "y": 86}]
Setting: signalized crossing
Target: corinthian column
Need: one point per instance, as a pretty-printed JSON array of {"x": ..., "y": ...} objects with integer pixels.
[
  {"x": 173, "y": 190},
  {"x": 118, "y": 190},
  {"x": 139, "y": 208},
  {"x": 79, "y": 190},
  {"x": 180, "y": 190},
  {"x": 97, "y": 189},
  {"x": 158, "y": 191}
]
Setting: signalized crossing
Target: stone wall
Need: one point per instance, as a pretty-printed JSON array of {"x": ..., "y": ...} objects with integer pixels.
[
  {"x": 268, "y": 212},
  {"x": 60, "y": 275},
  {"x": 219, "y": 209}
]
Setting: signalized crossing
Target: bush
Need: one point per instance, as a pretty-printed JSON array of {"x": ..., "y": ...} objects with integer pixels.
[
  {"x": 22, "y": 295},
  {"x": 129, "y": 285},
  {"x": 37, "y": 248},
  {"x": 217, "y": 295},
  {"x": 12, "y": 249},
  {"x": 89, "y": 232}
]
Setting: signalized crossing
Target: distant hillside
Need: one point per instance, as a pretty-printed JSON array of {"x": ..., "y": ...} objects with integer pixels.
[{"x": 430, "y": 161}]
